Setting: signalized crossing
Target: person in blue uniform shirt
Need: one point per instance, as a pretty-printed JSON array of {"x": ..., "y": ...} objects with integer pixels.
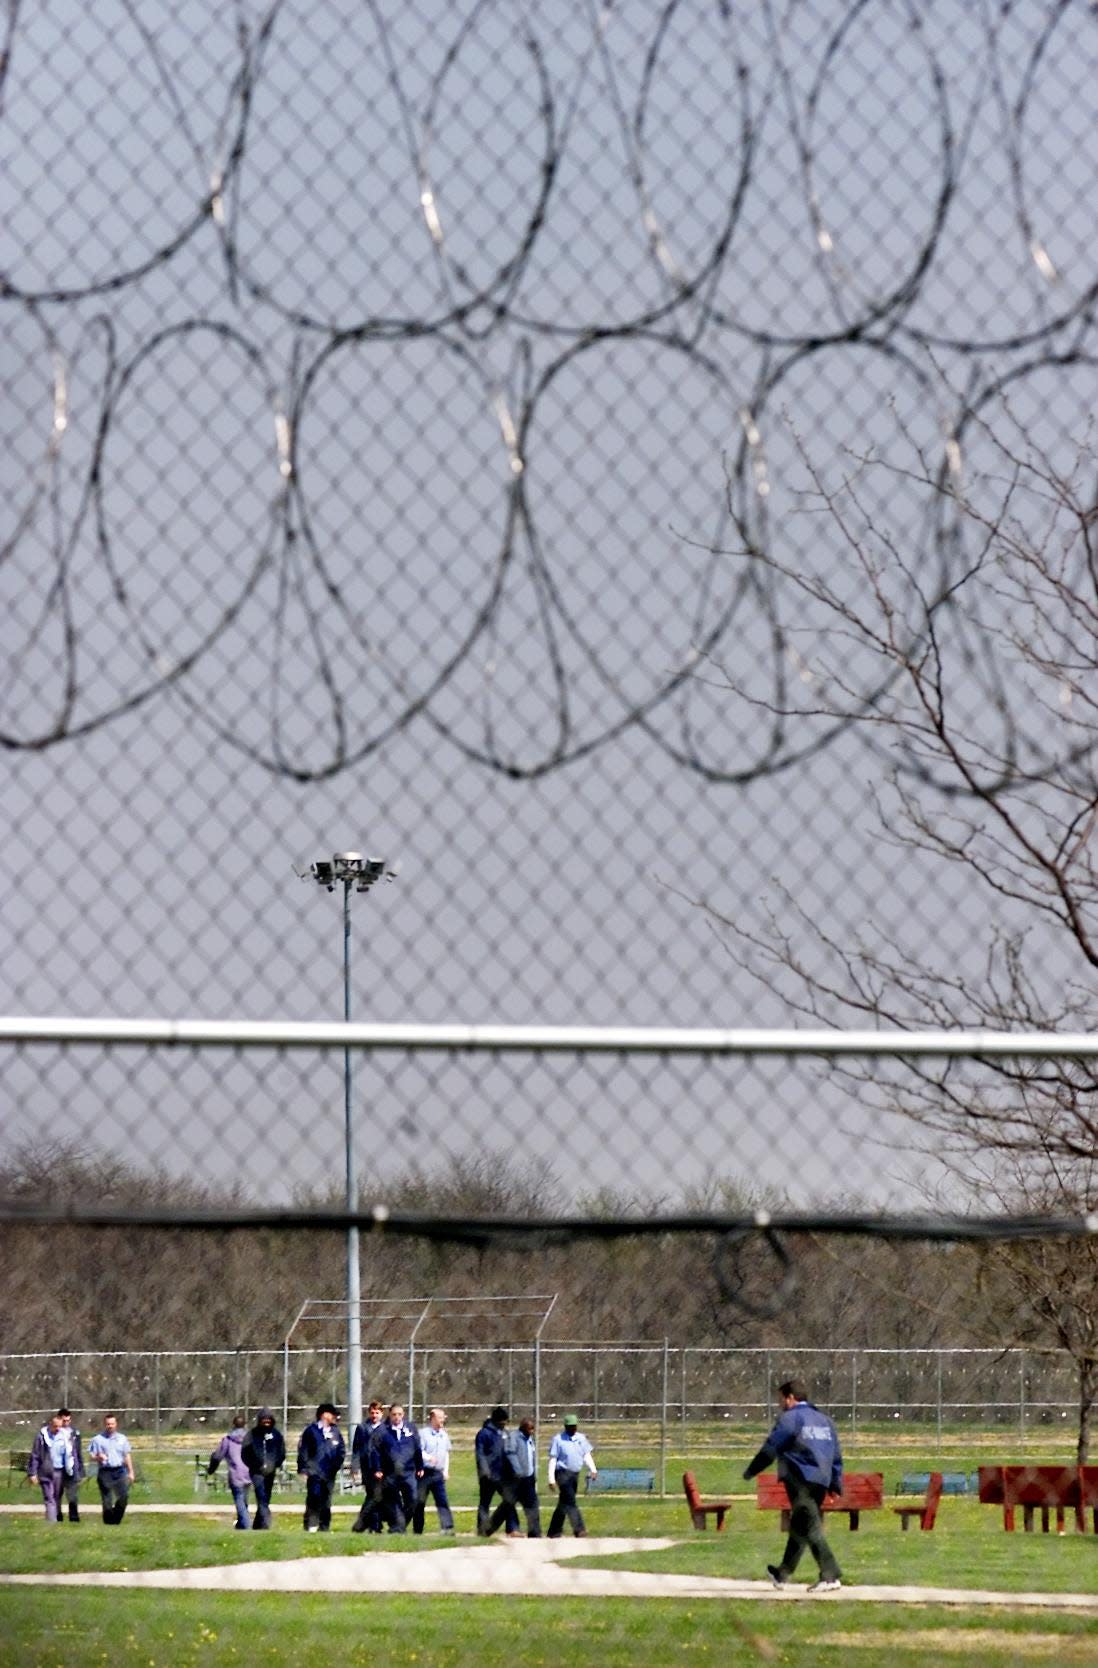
[
  {"x": 435, "y": 1446},
  {"x": 523, "y": 1455},
  {"x": 364, "y": 1462},
  {"x": 810, "y": 1463},
  {"x": 569, "y": 1452},
  {"x": 111, "y": 1452},
  {"x": 320, "y": 1460},
  {"x": 494, "y": 1476},
  {"x": 75, "y": 1477},
  {"x": 399, "y": 1465}
]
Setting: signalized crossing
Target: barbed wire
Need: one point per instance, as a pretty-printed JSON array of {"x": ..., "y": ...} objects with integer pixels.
[{"x": 508, "y": 348}]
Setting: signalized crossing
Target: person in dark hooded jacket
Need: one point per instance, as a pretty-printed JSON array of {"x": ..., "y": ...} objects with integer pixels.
[{"x": 264, "y": 1454}]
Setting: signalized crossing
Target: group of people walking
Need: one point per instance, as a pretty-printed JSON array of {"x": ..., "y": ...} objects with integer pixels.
[
  {"x": 57, "y": 1465},
  {"x": 401, "y": 1468}
]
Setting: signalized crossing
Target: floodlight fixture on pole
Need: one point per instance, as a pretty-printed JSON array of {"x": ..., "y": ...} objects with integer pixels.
[{"x": 353, "y": 872}]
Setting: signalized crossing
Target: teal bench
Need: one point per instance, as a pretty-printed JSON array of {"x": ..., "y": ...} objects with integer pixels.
[
  {"x": 621, "y": 1479},
  {"x": 953, "y": 1482}
]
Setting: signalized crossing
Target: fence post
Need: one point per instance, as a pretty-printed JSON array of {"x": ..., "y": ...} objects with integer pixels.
[
  {"x": 1022, "y": 1396},
  {"x": 682, "y": 1399},
  {"x": 854, "y": 1395},
  {"x": 156, "y": 1394},
  {"x": 939, "y": 1401},
  {"x": 663, "y": 1420}
]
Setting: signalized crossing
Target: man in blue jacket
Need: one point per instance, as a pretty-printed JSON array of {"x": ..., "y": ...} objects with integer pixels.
[
  {"x": 495, "y": 1476},
  {"x": 398, "y": 1461},
  {"x": 320, "y": 1459},
  {"x": 364, "y": 1461},
  {"x": 806, "y": 1446}
]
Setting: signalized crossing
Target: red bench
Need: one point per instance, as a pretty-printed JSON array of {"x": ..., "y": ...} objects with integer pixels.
[
  {"x": 928, "y": 1511},
  {"x": 863, "y": 1491},
  {"x": 1044, "y": 1489},
  {"x": 699, "y": 1507}
]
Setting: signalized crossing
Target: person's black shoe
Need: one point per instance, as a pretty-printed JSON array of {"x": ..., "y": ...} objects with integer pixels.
[{"x": 776, "y": 1574}]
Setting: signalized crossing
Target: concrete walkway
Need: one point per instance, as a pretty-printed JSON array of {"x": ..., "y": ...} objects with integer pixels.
[{"x": 535, "y": 1568}]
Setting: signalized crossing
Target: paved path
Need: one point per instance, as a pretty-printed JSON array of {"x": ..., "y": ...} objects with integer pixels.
[{"x": 536, "y": 1568}]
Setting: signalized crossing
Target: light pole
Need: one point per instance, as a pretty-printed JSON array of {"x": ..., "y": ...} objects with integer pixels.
[{"x": 354, "y": 873}]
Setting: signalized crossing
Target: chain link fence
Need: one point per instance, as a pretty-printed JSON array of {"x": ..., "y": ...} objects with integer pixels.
[
  {"x": 631, "y": 1394},
  {"x": 635, "y": 474}
]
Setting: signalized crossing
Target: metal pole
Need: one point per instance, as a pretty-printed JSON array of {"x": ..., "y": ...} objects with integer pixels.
[
  {"x": 939, "y": 1401},
  {"x": 663, "y": 1419},
  {"x": 354, "y": 1287},
  {"x": 682, "y": 1402}
]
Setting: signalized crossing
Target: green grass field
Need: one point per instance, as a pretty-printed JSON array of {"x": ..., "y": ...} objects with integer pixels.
[{"x": 76, "y": 1629}]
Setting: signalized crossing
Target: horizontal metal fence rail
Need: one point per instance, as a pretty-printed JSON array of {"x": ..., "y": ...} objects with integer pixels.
[{"x": 575, "y": 1039}]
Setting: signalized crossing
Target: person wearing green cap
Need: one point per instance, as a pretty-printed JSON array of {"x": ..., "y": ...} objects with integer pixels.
[{"x": 569, "y": 1452}]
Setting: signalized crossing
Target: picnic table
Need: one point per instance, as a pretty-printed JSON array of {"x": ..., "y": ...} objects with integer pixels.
[{"x": 1044, "y": 1489}]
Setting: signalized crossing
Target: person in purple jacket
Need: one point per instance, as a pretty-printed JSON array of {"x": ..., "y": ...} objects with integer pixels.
[
  {"x": 56, "y": 1465},
  {"x": 806, "y": 1446},
  {"x": 231, "y": 1449}
]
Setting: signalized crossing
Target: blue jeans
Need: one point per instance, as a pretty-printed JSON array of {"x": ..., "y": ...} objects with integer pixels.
[
  {"x": 432, "y": 1484},
  {"x": 566, "y": 1506},
  {"x": 399, "y": 1501},
  {"x": 262, "y": 1486},
  {"x": 526, "y": 1493},
  {"x": 239, "y": 1492},
  {"x": 114, "y": 1489},
  {"x": 318, "y": 1502}
]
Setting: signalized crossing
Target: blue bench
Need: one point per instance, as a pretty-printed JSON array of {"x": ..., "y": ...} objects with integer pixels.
[
  {"x": 621, "y": 1479},
  {"x": 953, "y": 1482}
]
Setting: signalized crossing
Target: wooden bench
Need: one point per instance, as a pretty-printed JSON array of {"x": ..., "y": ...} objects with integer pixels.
[
  {"x": 699, "y": 1509},
  {"x": 928, "y": 1511},
  {"x": 1044, "y": 1489},
  {"x": 953, "y": 1482},
  {"x": 18, "y": 1460},
  {"x": 863, "y": 1491},
  {"x": 627, "y": 1479}
]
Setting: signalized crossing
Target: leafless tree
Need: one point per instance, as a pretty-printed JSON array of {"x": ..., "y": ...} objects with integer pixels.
[{"x": 967, "y": 660}]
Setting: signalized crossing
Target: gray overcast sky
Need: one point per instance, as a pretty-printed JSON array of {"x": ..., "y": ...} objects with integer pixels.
[{"x": 641, "y": 235}]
